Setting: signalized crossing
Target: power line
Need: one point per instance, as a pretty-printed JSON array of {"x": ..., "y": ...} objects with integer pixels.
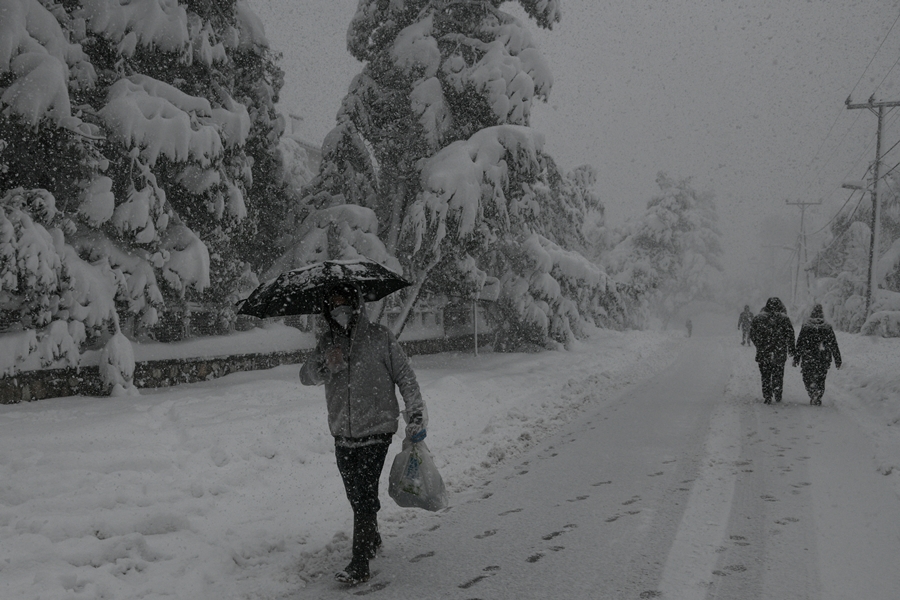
[
  {"x": 883, "y": 40},
  {"x": 888, "y": 74},
  {"x": 837, "y": 117}
]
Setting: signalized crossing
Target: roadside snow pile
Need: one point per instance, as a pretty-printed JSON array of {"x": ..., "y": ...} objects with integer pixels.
[
  {"x": 872, "y": 382},
  {"x": 871, "y": 373}
]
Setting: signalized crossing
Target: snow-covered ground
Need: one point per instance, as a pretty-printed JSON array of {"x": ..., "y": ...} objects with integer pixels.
[{"x": 228, "y": 489}]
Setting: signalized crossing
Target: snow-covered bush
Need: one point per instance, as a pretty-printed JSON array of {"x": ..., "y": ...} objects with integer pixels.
[
  {"x": 144, "y": 128},
  {"x": 117, "y": 366},
  {"x": 884, "y": 319},
  {"x": 843, "y": 264}
]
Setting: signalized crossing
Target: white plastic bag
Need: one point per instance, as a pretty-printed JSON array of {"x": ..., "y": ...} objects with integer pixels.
[{"x": 415, "y": 481}]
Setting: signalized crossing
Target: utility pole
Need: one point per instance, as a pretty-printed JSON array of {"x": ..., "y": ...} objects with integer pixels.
[
  {"x": 801, "y": 245},
  {"x": 878, "y": 109}
]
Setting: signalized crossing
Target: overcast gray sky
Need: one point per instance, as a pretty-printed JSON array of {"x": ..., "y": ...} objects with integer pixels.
[{"x": 745, "y": 96}]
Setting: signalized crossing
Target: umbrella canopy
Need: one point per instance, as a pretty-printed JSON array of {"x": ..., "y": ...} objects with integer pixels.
[{"x": 302, "y": 291}]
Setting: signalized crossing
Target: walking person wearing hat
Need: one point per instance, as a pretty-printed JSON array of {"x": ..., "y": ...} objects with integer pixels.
[
  {"x": 816, "y": 346},
  {"x": 360, "y": 363}
]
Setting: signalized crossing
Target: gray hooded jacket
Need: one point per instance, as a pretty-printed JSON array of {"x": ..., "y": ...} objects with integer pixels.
[{"x": 360, "y": 396}]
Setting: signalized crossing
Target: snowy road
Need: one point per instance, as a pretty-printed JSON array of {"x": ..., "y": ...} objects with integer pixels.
[
  {"x": 636, "y": 465},
  {"x": 686, "y": 486}
]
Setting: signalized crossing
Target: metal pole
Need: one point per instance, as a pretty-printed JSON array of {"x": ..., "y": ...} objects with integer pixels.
[
  {"x": 876, "y": 217},
  {"x": 801, "y": 243},
  {"x": 475, "y": 321},
  {"x": 876, "y": 221}
]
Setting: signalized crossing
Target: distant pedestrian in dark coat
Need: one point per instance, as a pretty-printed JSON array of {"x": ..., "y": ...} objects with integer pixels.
[
  {"x": 816, "y": 346},
  {"x": 744, "y": 325},
  {"x": 772, "y": 333},
  {"x": 690, "y": 327}
]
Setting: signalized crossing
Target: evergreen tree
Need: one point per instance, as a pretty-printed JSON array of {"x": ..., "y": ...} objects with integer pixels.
[
  {"x": 671, "y": 255},
  {"x": 145, "y": 131},
  {"x": 433, "y": 138}
]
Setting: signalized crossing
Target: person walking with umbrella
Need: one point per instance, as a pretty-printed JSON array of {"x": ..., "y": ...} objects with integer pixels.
[
  {"x": 816, "y": 346},
  {"x": 360, "y": 363},
  {"x": 772, "y": 333}
]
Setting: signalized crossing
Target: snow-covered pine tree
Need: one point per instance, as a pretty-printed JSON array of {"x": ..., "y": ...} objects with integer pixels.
[
  {"x": 671, "y": 254},
  {"x": 433, "y": 138},
  {"x": 130, "y": 124}
]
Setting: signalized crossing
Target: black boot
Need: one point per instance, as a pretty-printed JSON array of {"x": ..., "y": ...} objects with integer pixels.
[{"x": 356, "y": 572}]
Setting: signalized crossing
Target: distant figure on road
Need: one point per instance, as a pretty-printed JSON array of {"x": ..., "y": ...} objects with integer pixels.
[
  {"x": 772, "y": 333},
  {"x": 690, "y": 327},
  {"x": 816, "y": 345},
  {"x": 744, "y": 325}
]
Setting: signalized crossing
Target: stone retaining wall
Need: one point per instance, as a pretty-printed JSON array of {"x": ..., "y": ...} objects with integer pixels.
[{"x": 56, "y": 383}]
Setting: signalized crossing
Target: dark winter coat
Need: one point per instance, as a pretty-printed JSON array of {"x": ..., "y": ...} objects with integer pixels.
[
  {"x": 745, "y": 320},
  {"x": 817, "y": 345},
  {"x": 772, "y": 333},
  {"x": 361, "y": 398}
]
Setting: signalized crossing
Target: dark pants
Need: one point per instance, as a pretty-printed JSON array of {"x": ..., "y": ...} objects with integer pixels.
[
  {"x": 772, "y": 372},
  {"x": 814, "y": 380},
  {"x": 360, "y": 469},
  {"x": 746, "y": 333}
]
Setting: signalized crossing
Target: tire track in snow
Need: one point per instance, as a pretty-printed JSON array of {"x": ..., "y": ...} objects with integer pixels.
[{"x": 687, "y": 573}]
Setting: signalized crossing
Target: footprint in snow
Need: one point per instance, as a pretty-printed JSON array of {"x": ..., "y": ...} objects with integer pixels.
[
  {"x": 416, "y": 559},
  {"x": 487, "y": 533},
  {"x": 472, "y": 581},
  {"x": 599, "y": 483},
  {"x": 510, "y": 511},
  {"x": 554, "y": 534},
  {"x": 578, "y": 498},
  {"x": 478, "y": 578}
]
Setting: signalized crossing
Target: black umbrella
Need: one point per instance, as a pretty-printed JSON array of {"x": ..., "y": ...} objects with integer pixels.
[{"x": 302, "y": 291}]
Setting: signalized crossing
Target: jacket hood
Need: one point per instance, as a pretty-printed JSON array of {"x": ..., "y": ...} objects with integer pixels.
[
  {"x": 746, "y": 308},
  {"x": 816, "y": 317},
  {"x": 775, "y": 305}
]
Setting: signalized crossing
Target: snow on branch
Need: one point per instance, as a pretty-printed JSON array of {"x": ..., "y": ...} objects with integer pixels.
[
  {"x": 416, "y": 48},
  {"x": 159, "y": 24},
  {"x": 36, "y": 52},
  {"x": 343, "y": 231},
  {"x": 161, "y": 119},
  {"x": 468, "y": 178}
]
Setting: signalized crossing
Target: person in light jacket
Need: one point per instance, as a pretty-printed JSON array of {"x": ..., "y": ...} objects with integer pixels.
[
  {"x": 772, "y": 333},
  {"x": 360, "y": 363},
  {"x": 816, "y": 346}
]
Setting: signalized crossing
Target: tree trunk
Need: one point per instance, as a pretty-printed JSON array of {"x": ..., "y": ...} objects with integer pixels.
[{"x": 398, "y": 201}]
